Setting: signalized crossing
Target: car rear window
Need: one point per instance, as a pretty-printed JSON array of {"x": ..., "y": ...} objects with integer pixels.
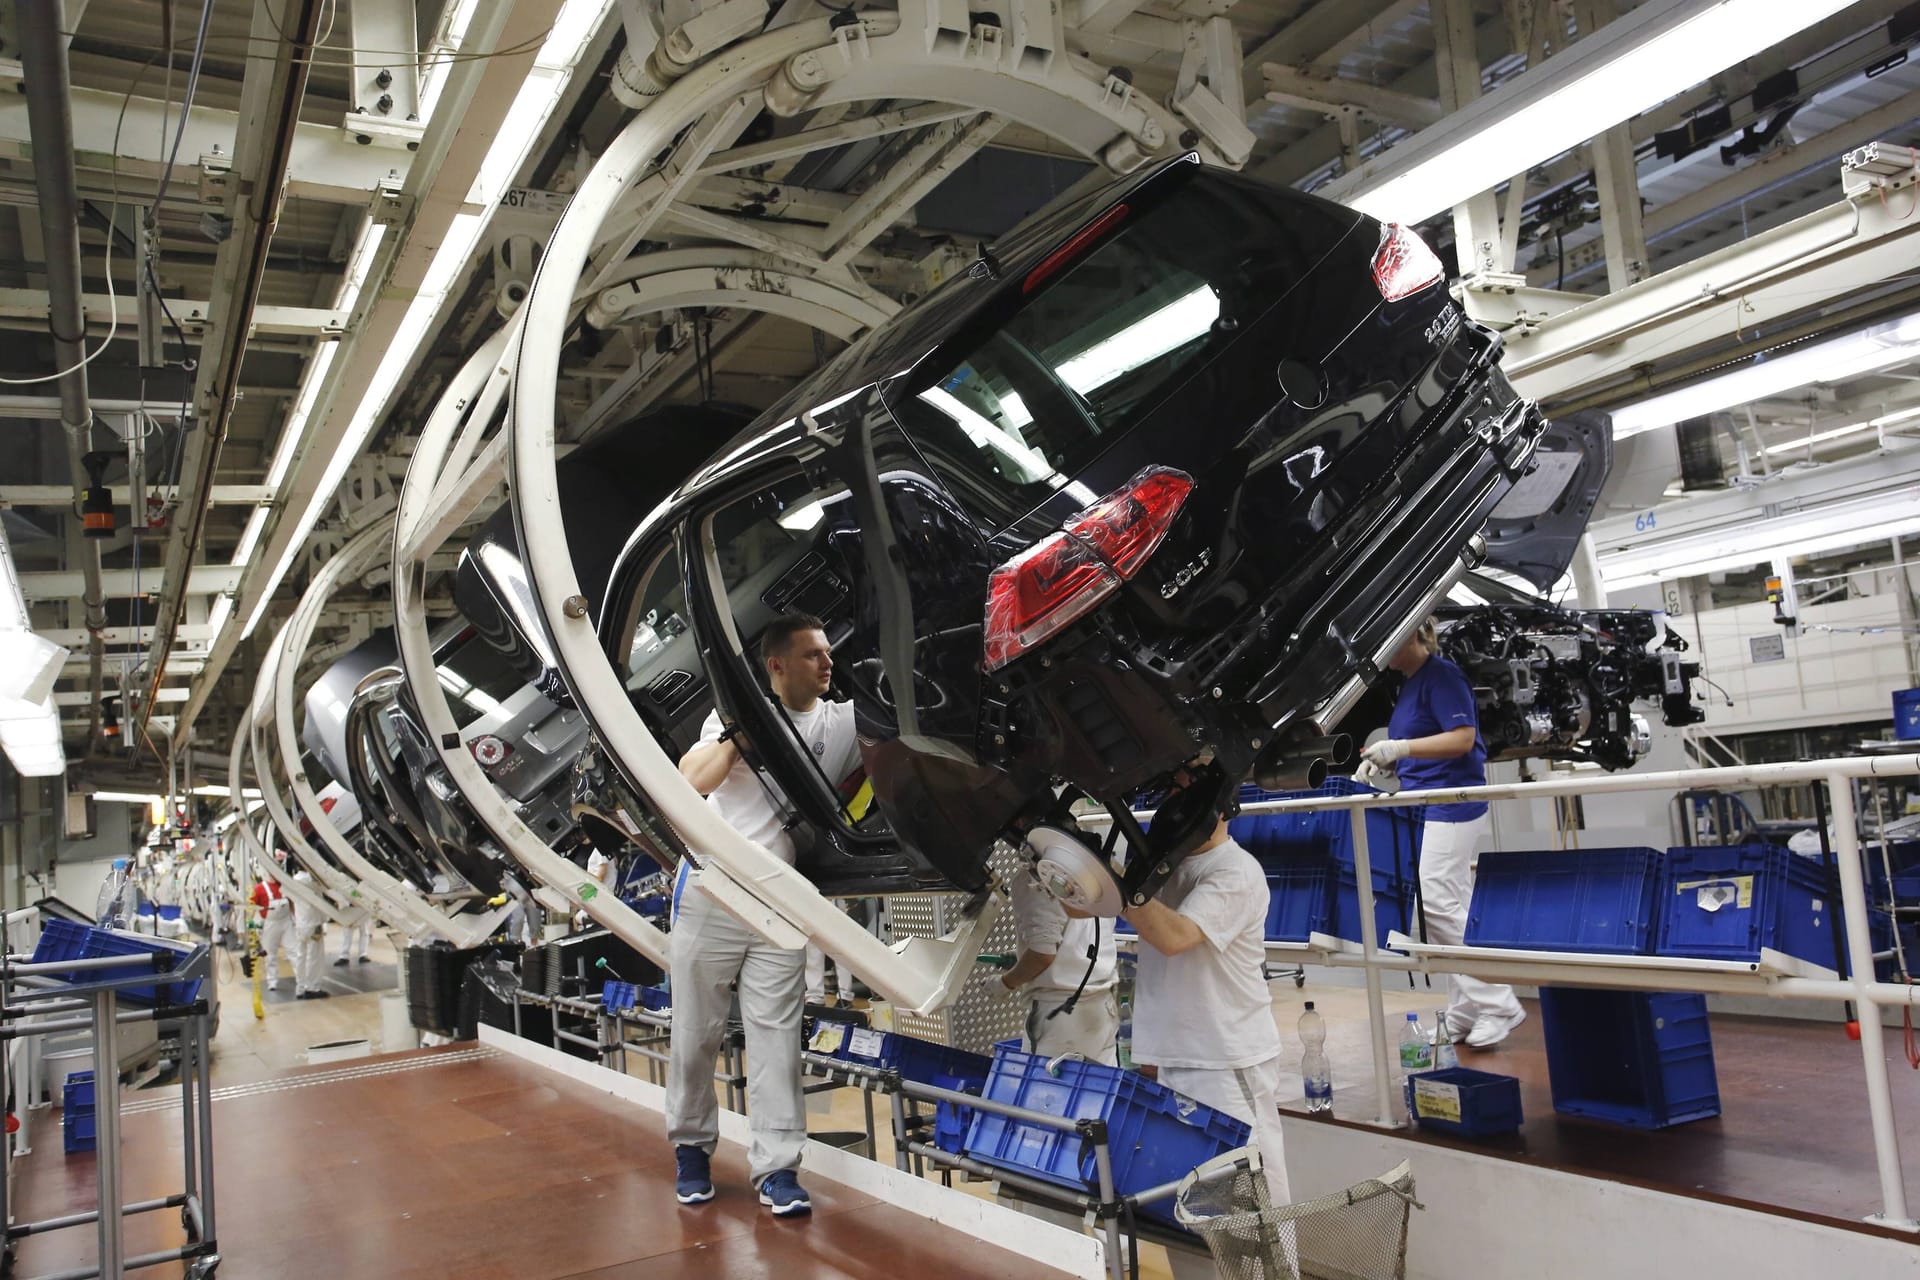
[
  {"x": 479, "y": 677},
  {"x": 1021, "y": 409}
]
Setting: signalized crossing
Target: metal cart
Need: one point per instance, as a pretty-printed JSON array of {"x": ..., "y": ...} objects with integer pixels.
[{"x": 39, "y": 999}]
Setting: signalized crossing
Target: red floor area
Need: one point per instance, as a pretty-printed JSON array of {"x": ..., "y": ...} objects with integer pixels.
[{"x": 487, "y": 1169}]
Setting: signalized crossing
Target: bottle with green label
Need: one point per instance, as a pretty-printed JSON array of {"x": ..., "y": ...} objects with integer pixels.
[{"x": 1416, "y": 1047}]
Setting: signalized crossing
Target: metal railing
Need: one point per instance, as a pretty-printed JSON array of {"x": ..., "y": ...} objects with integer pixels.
[{"x": 1773, "y": 975}]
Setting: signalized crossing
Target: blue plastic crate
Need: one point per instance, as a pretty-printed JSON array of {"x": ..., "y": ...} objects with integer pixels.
[
  {"x": 112, "y": 942},
  {"x": 1300, "y": 896},
  {"x": 1593, "y": 901},
  {"x": 950, "y": 1119},
  {"x": 77, "y": 1093},
  {"x": 920, "y": 1060},
  {"x": 1906, "y": 713},
  {"x": 616, "y": 996},
  {"x": 1154, "y": 1135},
  {"x": 1464, "y": 1102},
  {"x": 77, "y": 1130},
  {"x": 1633, "y": 1058},
  {"x": 59, "y": 940},
  {"x": 1393, "y": 904},
  {"x": 1726, "y": 903},
  {"x": 1393, "y": 834},
  {"x": 655, "y": 999}
]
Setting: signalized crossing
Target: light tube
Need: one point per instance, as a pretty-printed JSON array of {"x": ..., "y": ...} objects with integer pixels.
[
  {"x": 1628, "y": 66},
  {"x": 1833, "y": 360}
]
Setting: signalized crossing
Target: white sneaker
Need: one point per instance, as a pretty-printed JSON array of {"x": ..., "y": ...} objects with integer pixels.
[
  {"x": 1458, "y": 1025},
  {"x": 1490, "y": 1029}
]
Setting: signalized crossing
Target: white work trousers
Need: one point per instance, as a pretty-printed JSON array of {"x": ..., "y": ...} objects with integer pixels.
[
  {"x": 710, "y": 949},
  {"x": 817, "y": 965},
  {"x": 1449, "y": 855},
  {"x": 1251, "y": 1094},
  {"x": 309, "y": 952},
  {"x": 348, "y": 933},
  {"x": 1091, "y": 1028},
  {"x": 276, "y": 939}
]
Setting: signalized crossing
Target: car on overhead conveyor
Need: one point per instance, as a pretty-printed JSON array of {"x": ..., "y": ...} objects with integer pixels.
[
  {"x": 390, "y": 792},
  {"x": 1139, "y": 503}
]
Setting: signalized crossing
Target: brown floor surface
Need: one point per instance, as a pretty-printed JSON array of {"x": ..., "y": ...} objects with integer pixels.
[
  {"x": 1793, "y": 1132},
  {"x": 482, "y": 1169}
]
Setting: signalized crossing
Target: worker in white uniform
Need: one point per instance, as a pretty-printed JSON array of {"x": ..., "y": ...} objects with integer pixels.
[
  {"x": 276, "y": 929},
  {"x": 710, "y": 949},
  {"x": 1202, "y": 1015},
  {"x": 354, "y": 937},
  {"x": 1066, "y": 967},
  {"x": 310, "y": 943}
]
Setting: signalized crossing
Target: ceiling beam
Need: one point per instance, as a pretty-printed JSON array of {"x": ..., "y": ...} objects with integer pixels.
[
  {"x": 327, "y": 164},
  {"x": 31, "y": 304},
  {"x": 198, "y": 634},
  {"x": 63, "y": 584},
  {"x": 60, "y": 495},
  {"x": 78, "y": 699}
]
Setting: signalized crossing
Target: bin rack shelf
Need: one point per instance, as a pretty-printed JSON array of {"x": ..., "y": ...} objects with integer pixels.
[
  {"x": 112, "y": 981},
  {"x": 1654, "y": 973}
]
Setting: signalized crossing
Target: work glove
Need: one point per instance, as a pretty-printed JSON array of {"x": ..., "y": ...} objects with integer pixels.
[
  {"x": 1382, "y": 754},
  {"x": 1369, "y": 774}
]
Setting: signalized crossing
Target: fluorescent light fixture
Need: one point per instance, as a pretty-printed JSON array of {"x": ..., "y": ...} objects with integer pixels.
[
  {"x": 30, "y": 736},
  {"x": 29, "y": 665},
  {"x": 1626, "y": 67},
  {"x": 1888, "y": 419},
  {"x": 1834, "y": 360},
  {"x": 539, "y": 94},
  {"x": 130, "y": 797},
  {"x": 1751, "y": 542}
]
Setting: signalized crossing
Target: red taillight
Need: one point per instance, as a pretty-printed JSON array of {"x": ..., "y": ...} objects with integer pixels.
[
  {"x": 1051, "y": 264},
  {"x": 1063, "y": 576},
  {"x": 1403, "y": 265},
  {"x": 1126, "y": 525}
]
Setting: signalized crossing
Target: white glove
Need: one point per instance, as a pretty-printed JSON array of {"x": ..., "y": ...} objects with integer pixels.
[
  {"x": 1372, "y": 775},
  {"x": 1382, "y": 754}
]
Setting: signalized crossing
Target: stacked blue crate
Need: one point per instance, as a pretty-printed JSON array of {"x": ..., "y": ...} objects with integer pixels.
[
  {"x": 77, "y": 1112},
  {"x": 1634, "y": 1058},
  {"x": 1294, "y": 845},
  {"x": 1591, "y": 901},
  {"x": 1728, "y": 902}
]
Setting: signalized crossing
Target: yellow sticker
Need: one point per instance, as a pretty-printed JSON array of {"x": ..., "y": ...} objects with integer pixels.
[
  {"x": 1433, "y": 1100},
  {"x": 827, "y": 1037},
  {"x": 1742, "y": 887}
]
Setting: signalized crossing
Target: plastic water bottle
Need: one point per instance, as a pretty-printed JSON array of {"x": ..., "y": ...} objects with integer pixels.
[
  {"x": 1444, "y": 1054},
  {"x": 1315, "y": 1074},
  {"x": 1416, "y": 1047}
]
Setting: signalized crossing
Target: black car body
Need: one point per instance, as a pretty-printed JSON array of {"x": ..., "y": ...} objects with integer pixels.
[{"x": 1152, "y": 490}]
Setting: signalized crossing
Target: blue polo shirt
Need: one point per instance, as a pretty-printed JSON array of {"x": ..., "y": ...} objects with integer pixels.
[{"x": 1437, "y": 698}]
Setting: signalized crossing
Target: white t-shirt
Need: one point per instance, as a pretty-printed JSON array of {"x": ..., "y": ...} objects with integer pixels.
[
  {"x": 1041, "y": 924},
  {"x": 596, "y": 860},
  {"x": 741, "y": 799},
  {"x": 1208, "y": 1007}
]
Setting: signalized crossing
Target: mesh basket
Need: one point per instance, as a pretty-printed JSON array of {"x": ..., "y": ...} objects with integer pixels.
[{"x": 1356, "y": 1234}]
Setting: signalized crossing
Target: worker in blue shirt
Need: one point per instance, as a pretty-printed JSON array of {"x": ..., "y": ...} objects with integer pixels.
[{"x": 1433, "y": 741}]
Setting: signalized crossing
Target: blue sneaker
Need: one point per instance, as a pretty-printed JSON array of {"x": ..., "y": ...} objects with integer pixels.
[
  {"x": 781, "y": 1192},
  {"x": 692, "y": 1175}
]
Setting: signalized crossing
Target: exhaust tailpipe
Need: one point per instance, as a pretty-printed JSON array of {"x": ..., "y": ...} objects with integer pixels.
[{"x": 1291, "y": 773}]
